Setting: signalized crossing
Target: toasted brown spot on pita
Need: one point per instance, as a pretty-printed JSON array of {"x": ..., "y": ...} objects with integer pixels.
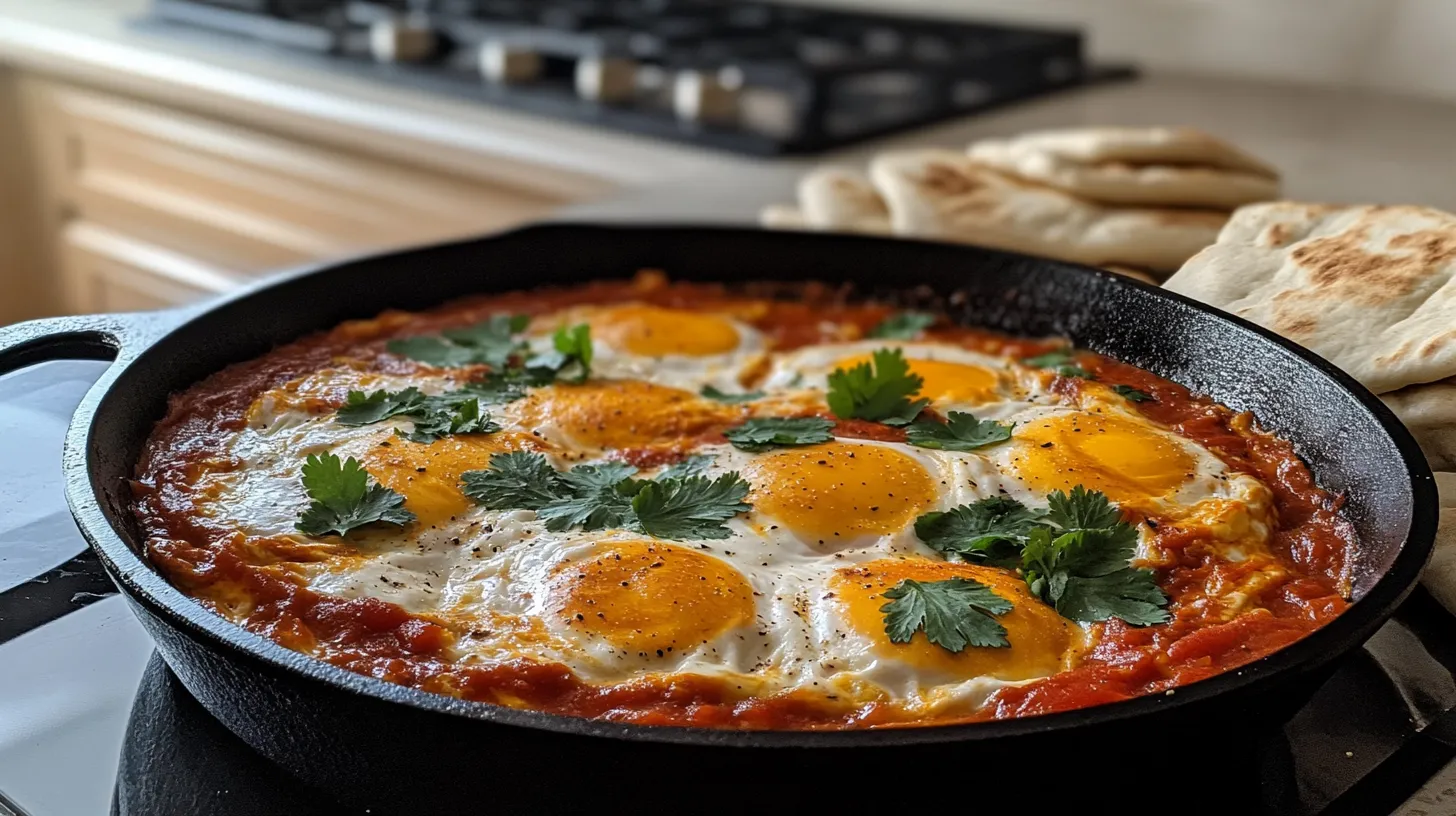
[
  {"x": 1340, "y": 263},
  {"x": 1289, "y": 319},
  {"x": 944, "y": 179},
  {"x": 1437, "y": 343},
  {"x": 1278, "y": 235}
]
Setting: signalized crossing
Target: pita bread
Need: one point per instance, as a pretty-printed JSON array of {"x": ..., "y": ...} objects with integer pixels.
[
  {"x": 1440, "y": 575},
  {"x": 1154, "y": 166},
  {"x": 943, "y": 195},
  {"x": 842, "y": 200},
  {"x": 1369, "y": 288},
  {"x": 1429, "y": 411},
  {"x": 783, "y": 216}
]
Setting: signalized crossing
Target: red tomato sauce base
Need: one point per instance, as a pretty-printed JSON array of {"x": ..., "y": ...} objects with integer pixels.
[{"x": 239, "y": 577}]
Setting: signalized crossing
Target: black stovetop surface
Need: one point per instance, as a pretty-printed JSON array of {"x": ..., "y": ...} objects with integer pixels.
[
  {"x": 1373, "y": 734},
  {"x": 779, "y": 79}
]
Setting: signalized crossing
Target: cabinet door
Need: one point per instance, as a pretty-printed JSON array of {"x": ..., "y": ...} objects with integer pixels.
[{"x": 106, "y": 271}]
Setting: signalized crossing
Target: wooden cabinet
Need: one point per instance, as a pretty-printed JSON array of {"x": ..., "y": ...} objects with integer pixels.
[{"x": 145, "y": 206}]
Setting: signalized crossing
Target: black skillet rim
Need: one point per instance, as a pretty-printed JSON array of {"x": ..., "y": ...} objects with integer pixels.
[{"x": 144, "y": 585}]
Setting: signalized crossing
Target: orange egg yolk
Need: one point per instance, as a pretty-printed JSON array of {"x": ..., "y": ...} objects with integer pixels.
[
  {"x": 832, "y": 494},
  {"x": 428, "y": 476},
  {"x": 650, "y": 598},
  {"x": 1039, "y": 638},
  {"x": 1120, "y": 457},
  {"x": 622, "y": 413},
  {"x": 654, "y": 331},
  {"x": 946, "y": 382}
]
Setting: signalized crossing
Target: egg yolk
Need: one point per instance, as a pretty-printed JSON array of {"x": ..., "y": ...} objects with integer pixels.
[
  {"x": 428, "y": 476},
  {"x": 832, "y": 494},
  {"x": 946, "y": 382},
  {"x": 1039, "y": 638},
  {"x": 1126, "y": 460},
  {"x": 653, "y": 331},
  {"x": 625, "y": 413},
  {"x": 651, "y": 598}
]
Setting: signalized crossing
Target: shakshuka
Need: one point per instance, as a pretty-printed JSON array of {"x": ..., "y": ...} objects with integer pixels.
[{"x": 748, "y": 506}]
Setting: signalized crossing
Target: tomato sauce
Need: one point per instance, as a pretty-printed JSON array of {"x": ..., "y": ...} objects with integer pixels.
[{"x": 250, "y": 581}]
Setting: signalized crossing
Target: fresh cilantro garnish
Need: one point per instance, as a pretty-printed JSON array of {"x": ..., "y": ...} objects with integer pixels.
[
  {"x": 1083, "y": 509},
  {"x": 366, "y": 409},
  {"x": 514, "y": 481},
  {"x": 992, "y": 529},
  {"x": 1076, "y": 555},
  {"x": 903, "y": 326},
  {"x": 954, "y": 614},
  {"x": 691, "y": 466},
  {"x": 691, "y": 507},
  {"x": 732, "y": 399},
  {"x": 344, "y": 499},
  {"x": 605, "y": 496},
  {"x": 877, "y": 391},
  {"x": 1086, "y": 576},
  {"x": 768, "y": 432},
  {"x": 491, "y": 342},
  {"x": 1061, "y": 362},
  {"x": 456, "y": 412},
  {"x": 1132, "y": 394},
  {"x": 960, "y": 432},
  {"x": 447, "y": 417},
  {"x": 571, "y": 355},
  {"x": 594, "y": 497},
  {"x": 1052, "y": 359}
]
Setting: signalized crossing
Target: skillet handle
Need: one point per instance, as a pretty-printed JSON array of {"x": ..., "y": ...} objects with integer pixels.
[{"x": 81, "y": 337}]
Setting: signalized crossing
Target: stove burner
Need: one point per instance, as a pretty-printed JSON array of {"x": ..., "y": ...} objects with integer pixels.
[{"x": 749, "y": 77}]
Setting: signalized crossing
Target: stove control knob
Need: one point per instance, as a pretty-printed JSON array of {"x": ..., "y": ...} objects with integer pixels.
[
  {"x": 706, "y": 97},
  {"x": 507, "y": 63},
  {"x": 402, "y": 39},
  {"x": 606, "y": 79}
]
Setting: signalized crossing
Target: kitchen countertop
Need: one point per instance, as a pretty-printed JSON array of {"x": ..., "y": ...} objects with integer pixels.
[{"x": 1333, "y": 145}]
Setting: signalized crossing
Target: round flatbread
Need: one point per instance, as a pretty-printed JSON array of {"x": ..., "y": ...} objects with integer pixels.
[
  {"x": 1143, "y": 166},
  {"x": 842, "y": 200},
  {"x": 943, "y": 195},
  {"x": 1368, "y": 288},
  {"x": 1440, "y": 575}
]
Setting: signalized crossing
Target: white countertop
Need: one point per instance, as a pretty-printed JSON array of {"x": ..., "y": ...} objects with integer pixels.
[{"x": 1331, "y": 145}]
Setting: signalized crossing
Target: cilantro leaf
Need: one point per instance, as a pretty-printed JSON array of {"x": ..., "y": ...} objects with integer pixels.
[
  {"x": 445, "y": 417},
  {"x": 903, "y": 326},
  {"x": 767, "y": 432},
  {"x": 456, "y": 412},
  {"x": 1063, "y": 362},
  {"x": 960, "y": 432},
  {"x": 605, "y": 496},
  {"x": 1052, "y": 359},
  {"x": 692, "y": 507},
  {"x": 1082, "y": 509},
  {"x": 366, "y": 409},
  {"x": 1130, "y": 594},
  {"x": 732, "y": 399},
  {"x": 876, "y": 391},
  {"x": 599, "y": 498},
  {"x": 514, "y": 481},
  {"x": 1132, "y": 394},
  {"x": 343, "y": 498},
  {"x": 991, "y": 529},
  {"x": 572, "y": 352},
  {"x": 954, "y": 614},
  {"x": 691, "y": 466},
  {"x": 1086, "y": 575},
  {"x": 491, "y": 342}
]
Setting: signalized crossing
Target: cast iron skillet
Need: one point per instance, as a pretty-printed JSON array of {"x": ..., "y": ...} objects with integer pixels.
[{"x": 369, "y": 742}]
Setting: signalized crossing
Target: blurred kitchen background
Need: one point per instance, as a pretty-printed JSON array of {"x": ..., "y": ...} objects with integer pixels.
[{"x": 157, "y": 153}]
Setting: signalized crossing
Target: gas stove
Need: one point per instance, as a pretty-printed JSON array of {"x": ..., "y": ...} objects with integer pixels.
[
  {"x": 91, "y": 718},
  {"x": 750, "y": 77}
]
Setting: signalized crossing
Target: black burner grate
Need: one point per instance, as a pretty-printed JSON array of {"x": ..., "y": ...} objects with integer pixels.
[{"x": 751, "y": 77}]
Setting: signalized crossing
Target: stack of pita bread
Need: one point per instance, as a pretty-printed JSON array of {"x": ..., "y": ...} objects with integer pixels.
[
  {"x": 1140, "y": 200},
  {"x": 1372, "y": 290}
]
